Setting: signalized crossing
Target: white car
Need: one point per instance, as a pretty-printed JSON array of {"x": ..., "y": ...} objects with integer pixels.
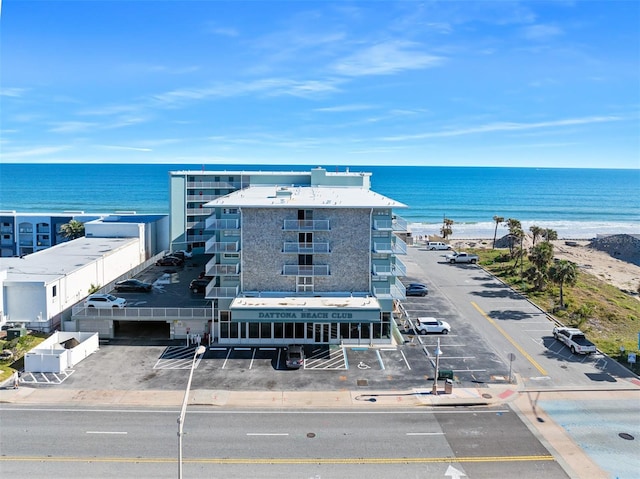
[
  {"x": 432, "y": 325},
  {"x": 437, "y": 245},
  {"x": 104, "y": 301}
]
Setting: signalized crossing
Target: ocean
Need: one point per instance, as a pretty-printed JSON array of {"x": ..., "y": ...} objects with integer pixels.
[{"x": 578, "y": 203}]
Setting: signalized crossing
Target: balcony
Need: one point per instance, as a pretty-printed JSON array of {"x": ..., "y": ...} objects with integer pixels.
[
  {"x": 202, "y": 198},
  {"x": 223, "y": 269},
  {"x": 216, "y": 224},
  {"x": 213, "y": 246},
  {"x": 305, "y": 248},
  {"x": 222, "y": 291},
  {"x": 231, "y": 185},
  {"x": 397, "y": 246},
  {"x": 306, "y": 225},
  {"x": 305, "y": 270},
  {"x": 394, "y": 291},
  {"x": 397, "y": 269},
  {"x": 200, "y": 211},
  {"x": 396, "y": 224}
]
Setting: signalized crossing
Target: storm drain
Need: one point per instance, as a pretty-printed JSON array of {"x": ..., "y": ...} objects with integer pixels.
[{"x": 363, "y": 382}]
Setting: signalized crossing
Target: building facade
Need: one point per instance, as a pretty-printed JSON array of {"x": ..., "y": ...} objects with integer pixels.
[{"x": 294, "y": 257}]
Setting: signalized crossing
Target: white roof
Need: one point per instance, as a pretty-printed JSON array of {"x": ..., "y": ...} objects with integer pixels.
[
  {"x": 59, "y": 260},
  {"x": 294, "y": 302},
  {"x": 305, "y": 196}
]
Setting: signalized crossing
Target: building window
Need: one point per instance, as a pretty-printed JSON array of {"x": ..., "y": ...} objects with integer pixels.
[
  {"x": 54, "y": 291},
  {"x": 304, "y": 284}
]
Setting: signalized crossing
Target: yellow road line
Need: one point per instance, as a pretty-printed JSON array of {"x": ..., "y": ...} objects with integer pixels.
[
  {"x": 274, "y": 460},
  {"x": 511, "y": 340}
]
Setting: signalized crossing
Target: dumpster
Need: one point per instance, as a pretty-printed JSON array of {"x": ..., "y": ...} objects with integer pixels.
[
  {"x": 13, "y": 333},
  {"x": 448, "y": 386},
  {"x": 445, "y": 374}
]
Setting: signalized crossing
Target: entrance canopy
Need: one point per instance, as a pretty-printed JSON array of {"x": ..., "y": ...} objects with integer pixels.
[{"x": 306, "y": 309}]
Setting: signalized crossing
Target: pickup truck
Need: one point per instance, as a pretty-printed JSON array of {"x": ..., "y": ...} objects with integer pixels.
[
  {"x": 574, "y": 339},
  {"x": 461, "y": 258}
]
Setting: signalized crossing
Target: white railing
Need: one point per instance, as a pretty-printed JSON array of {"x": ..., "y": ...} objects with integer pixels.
[
  {"x": 223, "y": 269},
  {"x": 214, "y": 184},
  {"x": 305, "y": 270},
  {"x": 314, "y": 247},
  {"x": 306, "y": 225},
  {"x": 213, "y": 223},
  {"x": 213, "y": 246},
  {"x": 222, "y": 291},
  {"x": 140, "y": 314},
  {"x": 200, "y": 211}
]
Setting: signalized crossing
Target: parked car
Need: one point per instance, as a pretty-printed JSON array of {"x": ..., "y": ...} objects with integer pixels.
[
  {"x": 432, "y": 325},
  {"x": 416, "y": 289},
  {"x": 182, "y": 254},
  {"x": 170, "y": 261},
  {"x": 133, "y": 285},
  {"x": 294, "y": 356},
  {"x": 437, "y": 245},
  {"x": 104, "y": 301},
  {"x": 199, "y": 285}
]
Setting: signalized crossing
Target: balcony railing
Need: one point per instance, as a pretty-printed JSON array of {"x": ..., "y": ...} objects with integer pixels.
[
  {"x": 394, "y": 291},
  {"x": 223, "y": 269},
  {"x": 305, "y": 270},
  {"x": 306, "y": 225},
  {"x": 234, "y": 185},
  {"x": 213, "y": 246},
  {"x": 200, "y": 211},
  {"x": 222, "y": 224},
  {"x": 397, "y": 269},
  {"x": 202, "y": 198},
  {"x": 305, "y": 248},
  {"x": 222, "y": 291},
  {"x": 397, "y": 246}
]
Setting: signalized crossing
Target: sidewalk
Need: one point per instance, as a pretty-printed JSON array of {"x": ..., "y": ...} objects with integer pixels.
[{"x": 261, "y": 399}]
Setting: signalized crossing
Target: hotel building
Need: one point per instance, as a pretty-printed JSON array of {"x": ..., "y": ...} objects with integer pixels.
[{"x": 293, "y": 257}]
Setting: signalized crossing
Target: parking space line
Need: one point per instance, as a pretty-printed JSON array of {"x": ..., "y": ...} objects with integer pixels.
[
  {"x": 425, "y": 434},
  {"x": 227, "y": 358},
  {"x": 405, "y": 360},
  {"x": 253, "y": 355},
  {"x": 457, "y": 357},
  {"x": 380, "y": 360}
]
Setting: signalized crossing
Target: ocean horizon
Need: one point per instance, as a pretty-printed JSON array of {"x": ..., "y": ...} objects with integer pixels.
[{"x": 577, "y": 203}]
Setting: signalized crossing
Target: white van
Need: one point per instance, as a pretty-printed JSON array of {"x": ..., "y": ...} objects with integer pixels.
[{"x": 434, "y": 245}]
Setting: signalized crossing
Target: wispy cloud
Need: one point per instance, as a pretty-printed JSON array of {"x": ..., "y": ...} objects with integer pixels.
[
  {"x": 71, "y": 126},
  {"x": 267, "y": 86},
  {"x": 41, "y": 151},
  {"x": 118, "y": 147},
  {"x": 344, "y": 108},
  {"x": 506, "y": 126},
  {"x": 13, "y": 92},
  {"x": 224, "y": 31},
  {"x": 386, "y": 59}
]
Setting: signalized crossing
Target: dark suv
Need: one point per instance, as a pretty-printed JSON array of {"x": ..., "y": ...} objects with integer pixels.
[{"x": 199, "y": 285}]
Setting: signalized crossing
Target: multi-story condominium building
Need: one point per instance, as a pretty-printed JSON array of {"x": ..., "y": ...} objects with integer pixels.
[{"x": 294, "y": 257}]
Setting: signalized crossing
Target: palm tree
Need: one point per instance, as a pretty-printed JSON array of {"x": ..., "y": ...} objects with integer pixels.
[
  {"x": 549, "y": 234},
  {"x": 540, "y": 256},
  {"x": 446, "y": 228},
  {"x": 562, "y": 273},
  {"x": 515, "y": 233},
  {"x": 536, "y": 232},
  {"x": 72, "y": 230},
  {"x": 498, "y": 220}
]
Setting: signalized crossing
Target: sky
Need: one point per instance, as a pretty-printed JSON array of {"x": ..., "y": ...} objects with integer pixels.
[{"x": 447, "y": 83}]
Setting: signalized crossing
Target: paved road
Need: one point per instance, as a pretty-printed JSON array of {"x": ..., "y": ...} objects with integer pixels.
[{"x": 50, "y": 442}]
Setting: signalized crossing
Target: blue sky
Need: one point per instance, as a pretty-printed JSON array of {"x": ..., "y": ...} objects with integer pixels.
[{"x": 547, "y": 84}]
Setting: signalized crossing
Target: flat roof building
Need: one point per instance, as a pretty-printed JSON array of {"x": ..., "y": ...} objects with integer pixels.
[{"x": 295, "y": 257}]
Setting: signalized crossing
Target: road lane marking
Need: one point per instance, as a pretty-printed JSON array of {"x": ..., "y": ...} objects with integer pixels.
[
  {"x": 425, "y": 434},
  {"x": 278, "y": 460},
  {"x": 267, "y": 434},
  {"x": 107, "y": 432},
  {"x": 511, "y": 340}
]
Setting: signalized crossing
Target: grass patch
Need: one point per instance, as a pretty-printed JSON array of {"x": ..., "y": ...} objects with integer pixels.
[
  {"x": 610, "y": 317},
  {"x": 19, "y": 347}
]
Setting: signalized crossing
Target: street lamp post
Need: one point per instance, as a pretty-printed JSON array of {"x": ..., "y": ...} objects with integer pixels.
[
  {"x": 437, "y": 352},
  {"x": 183, "y": 411}
]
